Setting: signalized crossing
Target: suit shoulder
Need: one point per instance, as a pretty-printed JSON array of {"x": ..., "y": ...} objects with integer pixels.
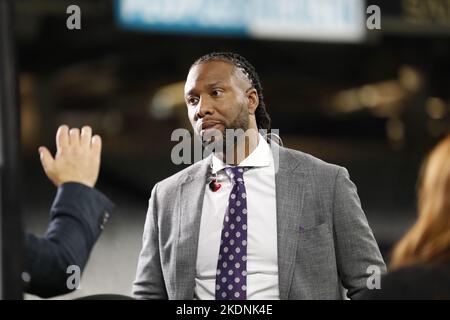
[
  {"x": 179, "y": 176},
  {"x": 307, "y": 162}
]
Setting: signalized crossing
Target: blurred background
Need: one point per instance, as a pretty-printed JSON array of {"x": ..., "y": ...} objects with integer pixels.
[{"x": 374, "y": 101}]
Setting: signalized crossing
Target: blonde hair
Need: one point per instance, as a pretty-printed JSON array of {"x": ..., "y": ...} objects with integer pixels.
[{"x": 428, "y": 241}]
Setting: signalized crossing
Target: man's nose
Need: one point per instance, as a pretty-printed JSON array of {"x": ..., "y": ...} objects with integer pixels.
[{"x": 204, "y": 107}]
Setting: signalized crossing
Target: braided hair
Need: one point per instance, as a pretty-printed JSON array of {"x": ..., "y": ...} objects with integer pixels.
[{"x": 263, "y": 120}]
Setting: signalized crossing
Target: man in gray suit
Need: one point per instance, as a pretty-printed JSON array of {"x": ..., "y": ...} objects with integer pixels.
[{"x": 266, "y": 223}]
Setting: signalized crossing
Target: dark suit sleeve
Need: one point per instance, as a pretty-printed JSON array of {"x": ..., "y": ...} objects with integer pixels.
[{"x": 77, "y": 217}]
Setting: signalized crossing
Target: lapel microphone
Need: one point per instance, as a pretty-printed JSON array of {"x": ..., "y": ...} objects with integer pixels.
[{"x": 214, "y": 185}]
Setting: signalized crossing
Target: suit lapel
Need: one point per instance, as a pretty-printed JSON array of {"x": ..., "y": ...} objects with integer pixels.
[
  {"x": 191, "y": 192},
  {"x": 289, "y": 196}
]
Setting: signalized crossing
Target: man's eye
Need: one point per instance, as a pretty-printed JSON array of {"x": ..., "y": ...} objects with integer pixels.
[
  {"x": 217, "y": 93},
  {"x": 192, "y": 101}
]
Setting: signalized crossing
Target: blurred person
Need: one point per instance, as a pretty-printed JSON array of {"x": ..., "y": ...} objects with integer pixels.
[
  {"x": 420, "y": 262},
  {"x": 78, "y": 214},
  {"x": 252, "y": 232}
]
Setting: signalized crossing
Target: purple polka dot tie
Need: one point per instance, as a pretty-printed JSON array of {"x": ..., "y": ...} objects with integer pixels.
[{"x": 231, "y": 273}]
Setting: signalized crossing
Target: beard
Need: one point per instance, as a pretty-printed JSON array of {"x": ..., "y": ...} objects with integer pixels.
[{"x": 222, "y": 141}]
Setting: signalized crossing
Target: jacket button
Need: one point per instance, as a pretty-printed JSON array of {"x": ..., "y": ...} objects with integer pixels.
[{"x": 105, "y": 220}]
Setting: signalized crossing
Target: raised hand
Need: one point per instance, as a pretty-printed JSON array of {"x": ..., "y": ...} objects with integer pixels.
[{"x": 77, "y": 157}]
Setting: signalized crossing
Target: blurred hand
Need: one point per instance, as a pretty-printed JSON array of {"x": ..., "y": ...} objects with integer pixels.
[{"x": 77, "y": 157}]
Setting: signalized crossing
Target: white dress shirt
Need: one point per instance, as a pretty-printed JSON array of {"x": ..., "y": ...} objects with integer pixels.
[{"x": 262, "y": 257}]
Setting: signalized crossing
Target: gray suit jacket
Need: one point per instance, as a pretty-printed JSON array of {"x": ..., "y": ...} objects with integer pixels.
[{"x": 324, "y": 240}]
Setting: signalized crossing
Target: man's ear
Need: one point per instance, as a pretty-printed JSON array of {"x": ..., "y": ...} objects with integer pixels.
[{"x": 252, "y": 100}]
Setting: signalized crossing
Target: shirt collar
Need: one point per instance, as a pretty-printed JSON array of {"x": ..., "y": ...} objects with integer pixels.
[{"x": 260, "y": 157}]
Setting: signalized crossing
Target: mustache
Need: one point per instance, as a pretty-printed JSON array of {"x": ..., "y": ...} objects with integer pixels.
[{"x": 204, "y": 124}]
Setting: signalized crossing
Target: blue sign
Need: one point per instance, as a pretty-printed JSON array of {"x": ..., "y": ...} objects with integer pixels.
[{"x": 327, "y": 20}]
